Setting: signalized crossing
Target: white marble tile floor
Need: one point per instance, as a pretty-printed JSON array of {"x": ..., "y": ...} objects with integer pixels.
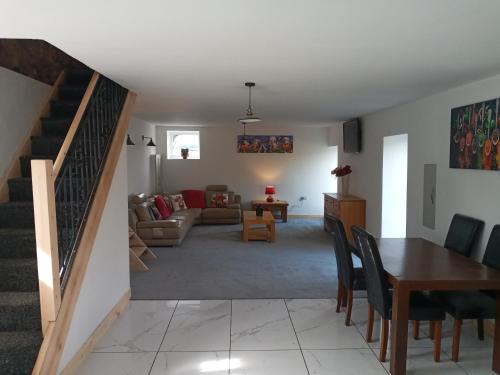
[{"x": 263, "y": 337}]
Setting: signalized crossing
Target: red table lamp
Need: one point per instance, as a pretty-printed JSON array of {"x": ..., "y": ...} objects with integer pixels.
[{"x": 270, "y": 191}]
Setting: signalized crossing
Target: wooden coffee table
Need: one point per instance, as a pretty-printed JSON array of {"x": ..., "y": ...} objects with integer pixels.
[
  {"x": 265, "y": 230},
  {"x": 281, "y": 206}
]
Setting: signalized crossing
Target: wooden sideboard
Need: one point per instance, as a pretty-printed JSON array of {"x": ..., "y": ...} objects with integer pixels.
[{"x": 348, "y": 208}]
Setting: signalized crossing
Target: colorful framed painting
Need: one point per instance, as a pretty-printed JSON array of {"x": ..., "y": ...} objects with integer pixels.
[
  {"x": 265, "y": 144},
  {"x": 475, "y": 136}
]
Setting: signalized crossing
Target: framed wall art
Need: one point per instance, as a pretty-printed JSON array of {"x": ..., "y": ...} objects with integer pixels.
[
  {"x": 475, "y": 136},
  {"x": 265, "y": 144}
]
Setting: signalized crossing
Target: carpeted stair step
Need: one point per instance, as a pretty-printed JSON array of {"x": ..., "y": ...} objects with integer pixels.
[
  {"x": 71, "y": 92},
  {"x": 46, "y": 146},
  {"x": 18, "y": 351},
  {"x": 25, "y": 162},
  {"x": 17, "y": 243},
  {"x": 78, "y": 76},
  {"x": 20, "y": 190},
  {"x": 18, "y": 275},
  {"x": 16, "y": 215},
  {"x": 56, "y": 127},
  {"x": 64, "y": 108},
  {"x": 20, "y": 311}
]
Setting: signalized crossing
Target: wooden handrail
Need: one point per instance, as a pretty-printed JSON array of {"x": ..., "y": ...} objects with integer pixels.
[
  {"x": 47, "y": 255},
  {"x": 74, "y": 124},
  {"x": 14, "y": 168},
  {"x": 52, "y": 347}
]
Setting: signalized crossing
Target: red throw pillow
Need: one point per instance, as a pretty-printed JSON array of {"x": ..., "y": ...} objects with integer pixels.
[
  {"x": 163, "y": 207},
  {"x": 194, "y": 198}
]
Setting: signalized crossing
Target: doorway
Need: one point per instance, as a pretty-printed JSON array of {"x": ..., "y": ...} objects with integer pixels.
[{"x": 394, "y": 186}]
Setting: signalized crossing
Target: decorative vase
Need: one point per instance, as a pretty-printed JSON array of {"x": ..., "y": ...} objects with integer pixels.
[
  {"x": 345, "y": 185},
  {"x": 184, "y": 153}
]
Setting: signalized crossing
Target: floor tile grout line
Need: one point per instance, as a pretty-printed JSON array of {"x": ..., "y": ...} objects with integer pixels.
[
  {"x": 163, "y": 338},
  {"x": 388, "y": 371},
  {"x": 369, "y": 346},
  {"x": 296, "y": 336},
  {"x": 456, "y": 363}
]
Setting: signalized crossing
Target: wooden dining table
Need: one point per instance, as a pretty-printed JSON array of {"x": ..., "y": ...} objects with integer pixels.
[{"x": 416, "y": 264}]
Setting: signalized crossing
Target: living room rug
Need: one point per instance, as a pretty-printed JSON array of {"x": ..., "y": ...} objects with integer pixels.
[{"x": 214, "y": 263}]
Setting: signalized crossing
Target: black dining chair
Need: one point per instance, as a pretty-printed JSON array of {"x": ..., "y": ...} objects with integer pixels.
[
  {"x": 462, "y": 305},
  {"x": 380, "y": 296},
  {"x": 329, "y": 228},
  {"x": 462, "y": 234},
  {"x": 351, "y": 278}
]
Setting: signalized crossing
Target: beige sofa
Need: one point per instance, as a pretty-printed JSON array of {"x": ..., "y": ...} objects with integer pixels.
[{"x": 172, "y": 232}]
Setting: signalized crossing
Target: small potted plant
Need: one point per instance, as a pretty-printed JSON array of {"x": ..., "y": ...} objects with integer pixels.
[
  {"x": 184, "y": 153},
  {"x": 343, "y": 173}
]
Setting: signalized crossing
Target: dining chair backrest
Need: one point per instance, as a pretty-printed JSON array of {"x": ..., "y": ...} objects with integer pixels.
[
  {"x": 343, "y": 253},
  {"x": 377, "y": 285},
  {"x": 329, "y": 228},
  {"x": 491, "y": 256},
  {"x": 462, "y": 234}
]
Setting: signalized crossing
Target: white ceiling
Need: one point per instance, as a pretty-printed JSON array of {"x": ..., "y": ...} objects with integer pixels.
[{"x": 314, "y": 61}]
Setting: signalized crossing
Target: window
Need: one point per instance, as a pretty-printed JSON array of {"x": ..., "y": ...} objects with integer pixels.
[{"x": 182, "y": 139}]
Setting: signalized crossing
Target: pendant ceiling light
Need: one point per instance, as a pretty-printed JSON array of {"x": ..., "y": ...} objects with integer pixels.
[{"x": 250, "y": 116}]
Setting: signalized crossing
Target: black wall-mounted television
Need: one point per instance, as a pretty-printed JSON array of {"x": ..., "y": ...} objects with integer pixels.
[{"x": 352, "y": 136}]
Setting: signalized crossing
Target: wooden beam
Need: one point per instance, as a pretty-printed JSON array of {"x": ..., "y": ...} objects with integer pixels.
[
  {"x": 74, "y": 124},
  {"x": 47, "y": 341},
  {"x": 98, "y": 333},
  {"x": 14, "y": 168},
  {"x": 47, "y": 255},
  {"x": 49, "y": 361}
]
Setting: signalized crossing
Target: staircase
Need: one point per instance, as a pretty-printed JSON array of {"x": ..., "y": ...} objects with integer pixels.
[{"x": 20, "y": 323}]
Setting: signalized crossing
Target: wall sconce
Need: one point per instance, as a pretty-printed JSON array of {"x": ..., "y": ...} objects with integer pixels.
[
  {"x": 129, "y": 141},
  {"x": 150, "y": 143}
]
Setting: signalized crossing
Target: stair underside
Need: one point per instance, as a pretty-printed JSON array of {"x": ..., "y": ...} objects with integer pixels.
[{"x": 20, "y": 323}]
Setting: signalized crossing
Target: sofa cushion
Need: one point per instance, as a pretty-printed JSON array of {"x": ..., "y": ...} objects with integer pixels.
[
  {"x": 143, "y": 212},
  {"x": 213, "y": 189},
  {"x": 156, "y": 213},
  {"x": 138, "y": 198},
  {"x": 159, "y": 233},
  {"x": 184, "y": 216},
  {"x": 195, "y": 212},
  {"x": 178, "y": 202},
  {"x": 132, "y": 219},
  {"x": 220, "y": 213},
  {"x": 194, "y": 198},
  {"x": 151, "y": 212},
  {"x": 159, "y": 224},
  {"x": 162, "y": 206},
  {"x": 219, "y": 200}
]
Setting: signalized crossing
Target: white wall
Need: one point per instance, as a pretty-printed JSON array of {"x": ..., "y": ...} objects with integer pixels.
[
  {"x": 107, "y": 278},
  {"x": 141, "y": 176},
  {"x": 21, "y": 100},
  {"x": 427, "y": 122},
  {"x": 305, "y": 172}
]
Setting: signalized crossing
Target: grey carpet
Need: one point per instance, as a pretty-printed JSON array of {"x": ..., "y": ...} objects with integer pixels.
[{"x": 214, "y": 263}]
